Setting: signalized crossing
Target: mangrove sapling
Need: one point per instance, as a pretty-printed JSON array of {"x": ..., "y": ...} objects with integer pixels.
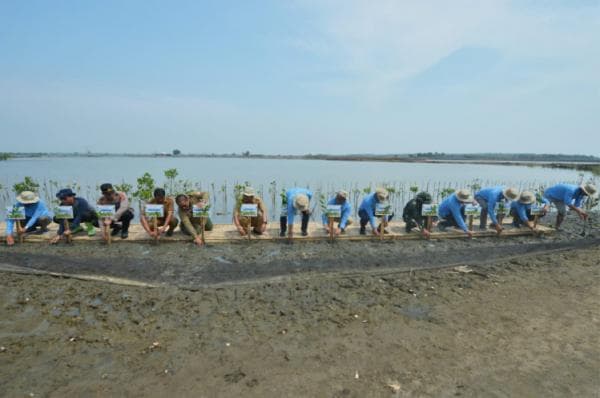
[
  {"x": 170, "y": 175},
  {"x": 28, "y": 184}
]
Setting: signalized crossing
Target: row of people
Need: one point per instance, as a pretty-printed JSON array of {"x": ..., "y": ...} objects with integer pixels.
[{"x": 451, "y": 211}]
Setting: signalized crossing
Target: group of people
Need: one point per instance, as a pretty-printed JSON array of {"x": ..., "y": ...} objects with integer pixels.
[{"x": 297, "y": 201}]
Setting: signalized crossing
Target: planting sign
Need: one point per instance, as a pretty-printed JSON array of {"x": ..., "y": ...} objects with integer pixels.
[
  {"x": 106, "y": 211},
  {"x": 472, "y": 210},
  {"x": 199, "y": 211},
  {"x": 15, "y": 213},
  {"x": 64, "y": 212},
  {"x": 429, "y": 210},
  {"x": 157, "y": 211},
  {"x": 333, "y": 211},
  {"x": 383, "y": 209},
  {"x": 248, "y": 210}
]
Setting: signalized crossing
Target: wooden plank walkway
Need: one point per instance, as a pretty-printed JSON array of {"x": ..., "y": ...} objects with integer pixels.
[{"x": 227, "y": 233}]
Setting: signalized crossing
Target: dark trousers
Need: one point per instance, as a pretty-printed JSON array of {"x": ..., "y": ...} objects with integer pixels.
[
  {"x": 364, "y": 218},
  {"x": 125, "y": 220},
  {"x": 41, "y": 222},
  {"x": 283, "y": 222},
  {"x": 449, "y": 220}
]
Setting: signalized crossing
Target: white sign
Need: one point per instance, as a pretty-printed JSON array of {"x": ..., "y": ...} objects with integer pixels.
[
  {"x": 249, "y": 210},
  {"x": 199, "y": 211},
  {"x": 157, "y": 211},
  {"x": 63, "y": 212},
  {"x": 333, "y": 211},
  {"x": 106, "y": 211},
  {"x": 383, "y": 209},
  {"x": 15, "y": 213},
  {"x": 429, "y": 210},
  {"x": 537, "y": 210},
  {"x": 472, "y": 210},
  {"x": 502, "y": 208}
]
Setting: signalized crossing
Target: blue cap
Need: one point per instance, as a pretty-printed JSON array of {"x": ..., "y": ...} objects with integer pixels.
[{"x": 65, "y": 192}]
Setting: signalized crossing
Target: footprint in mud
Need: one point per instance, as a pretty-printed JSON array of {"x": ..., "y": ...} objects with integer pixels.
[{"x": 235, "y": 376}]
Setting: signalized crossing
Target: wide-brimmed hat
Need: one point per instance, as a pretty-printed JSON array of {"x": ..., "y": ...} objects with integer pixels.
[
  {"x": 342, "y": 194},
  {"x": 464, "y": 195},
  {"x": 27, "y": 197},
  {"x": 511, "y": 193},
  {"x": 527, "y": 197},
  {"x": 301, "y": 202},
  {"x": 381, "y": 193},
  {"x": 65, "y": 192},
  {"x": 589, "y": 189},
  {"x": 248, "y": 191}
]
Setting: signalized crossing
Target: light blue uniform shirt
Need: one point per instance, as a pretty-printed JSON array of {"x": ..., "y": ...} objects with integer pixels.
[
  {"x": 522, "y": 208},
  {"x": 33, "y": 210},
  {"x": 451, "y": 206},
  {"x": 369, "y": 204},
  {"x": 569, "y": 194},
  {"x": 290, "y": 194},
  {"x": 346, "y": 210}
]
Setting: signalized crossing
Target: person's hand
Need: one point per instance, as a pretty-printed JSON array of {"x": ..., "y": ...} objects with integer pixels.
[
  {"x": 498, "y": 228},
  {"x": 55, "y": 240},
  {"x": 241, "y": 231},
  {"x": 583, "y": 215},
  {"x": 426, "y": 233},
  {"x": 162, "y": 229},
  {"x": 376, "y": 231},
  {"x": 263, "y": 227},
  {"x": 337, "y": 231},
  {"x": 198, "y": 240},
  {"x": 10, "y": 240},
  {"x": 470, "y": 234},
  {"x": 107, "y": 222},
  {"x": 290, "y": 234},
  {"x": 67, "y": 233}
]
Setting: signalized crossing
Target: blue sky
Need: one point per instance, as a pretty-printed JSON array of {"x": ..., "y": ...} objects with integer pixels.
[{"x": 299, "y": 77}]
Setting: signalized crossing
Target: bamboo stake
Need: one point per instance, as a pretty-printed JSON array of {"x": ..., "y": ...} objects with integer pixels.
[
  {"x": 248, "y": 227},
  {"x": 331, "y": 223},
  {"x": 155, "y": 226},
  {"x": 202, "y": 221},
  {"x": 67, "y": 229},
  {"x": 20, "y": 231},
  {"x": 470, "y": 222}
]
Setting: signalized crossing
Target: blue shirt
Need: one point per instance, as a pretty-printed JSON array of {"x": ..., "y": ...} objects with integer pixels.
[
  {"x": 346, "y": 210},
  {"x": 290, "y": 195},
  {"x": 80, "y": 207},
  {"x": 521, "y": 208},
  {"x": 492, "y": 196},
  {"x": 451, "y": 206},
  {"x": 33, "y": 211},
  {"x": 569, "y": 194},
  {"x": 368, "y": 204}
]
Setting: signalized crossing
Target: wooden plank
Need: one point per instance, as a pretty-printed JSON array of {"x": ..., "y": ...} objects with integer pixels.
[{"x": 224, "y": 233}]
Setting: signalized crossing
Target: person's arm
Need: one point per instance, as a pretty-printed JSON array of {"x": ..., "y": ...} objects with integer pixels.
[
  {"x": 37, "y": 213},
  {"x": 458, "y": 218},
  {"x": 492, "y": 212},
  {"x": 263, "y": 209},
  {"x": 185, "y": 220},
  {"x": 10, "y": 225},
  {"x": 78, "y": 208},
  {"x": 236, "y": 220},
  {"x": 291, "y": 212},
  {"x": 370, "y": 209},
  {"x": 123, "y": 207},
  {"x": 144, "y": 223}
]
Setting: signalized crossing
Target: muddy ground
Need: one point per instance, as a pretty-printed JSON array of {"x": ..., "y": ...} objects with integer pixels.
[{"x": 345, "y": 320}]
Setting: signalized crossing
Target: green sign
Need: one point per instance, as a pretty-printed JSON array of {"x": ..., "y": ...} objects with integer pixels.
[
  {"x": 429, "y": 210},
  {"x": 249, "y": 210},
  {"x": 105, "y": 211},
  {"x": 63, "y": 212},
  {"x": 472, "y": 210},
  {"x": 383, "y": 209},
  {"x": 152, "y": 211},
  {"x": 199, "y": 211},
  {"x": 333, "y": 211}
]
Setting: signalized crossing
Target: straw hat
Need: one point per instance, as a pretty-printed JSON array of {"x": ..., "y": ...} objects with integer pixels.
[
  {"x": 248, "y": 191},
  {"x": 27, "y": 197},
  {"x": 464, "y": 195},
  {"x": 342, "y": 194},
  {"x": 382, "y": 193},
  {"x": 511, "y": 193},
  {"x": 301, "y": 202},
  {"x": 527, "y": 198},
  {"x": 589, "y": 189}
]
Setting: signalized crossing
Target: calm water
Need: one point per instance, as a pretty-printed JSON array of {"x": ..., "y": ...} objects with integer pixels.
[{"x": 218, "y": 176}]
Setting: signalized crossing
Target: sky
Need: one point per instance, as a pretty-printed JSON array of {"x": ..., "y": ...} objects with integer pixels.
[{"x": 300, "y": 76}]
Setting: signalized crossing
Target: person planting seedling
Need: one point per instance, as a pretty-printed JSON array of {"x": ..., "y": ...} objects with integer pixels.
[
  {"x": 570, "y": 196},
  {"x": 452, "y": 211},
  {"x": 165, "y": 224},
  {"x": 244, "y": 223},
  {"x": 190, "y": 225},
  {"x": 297, "y": 199},
  {"x": 340, "y": 199},
  {"x": 520, "y": 210},
  {"x": 123, "y": 215},
  {"x": 488, "y": 198},
  {"x": 367, "y": 209},
  {"x": 413, "y": 214},
  {"x": 82, "y": 213},
  {"x": 37, "y": 216}
]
